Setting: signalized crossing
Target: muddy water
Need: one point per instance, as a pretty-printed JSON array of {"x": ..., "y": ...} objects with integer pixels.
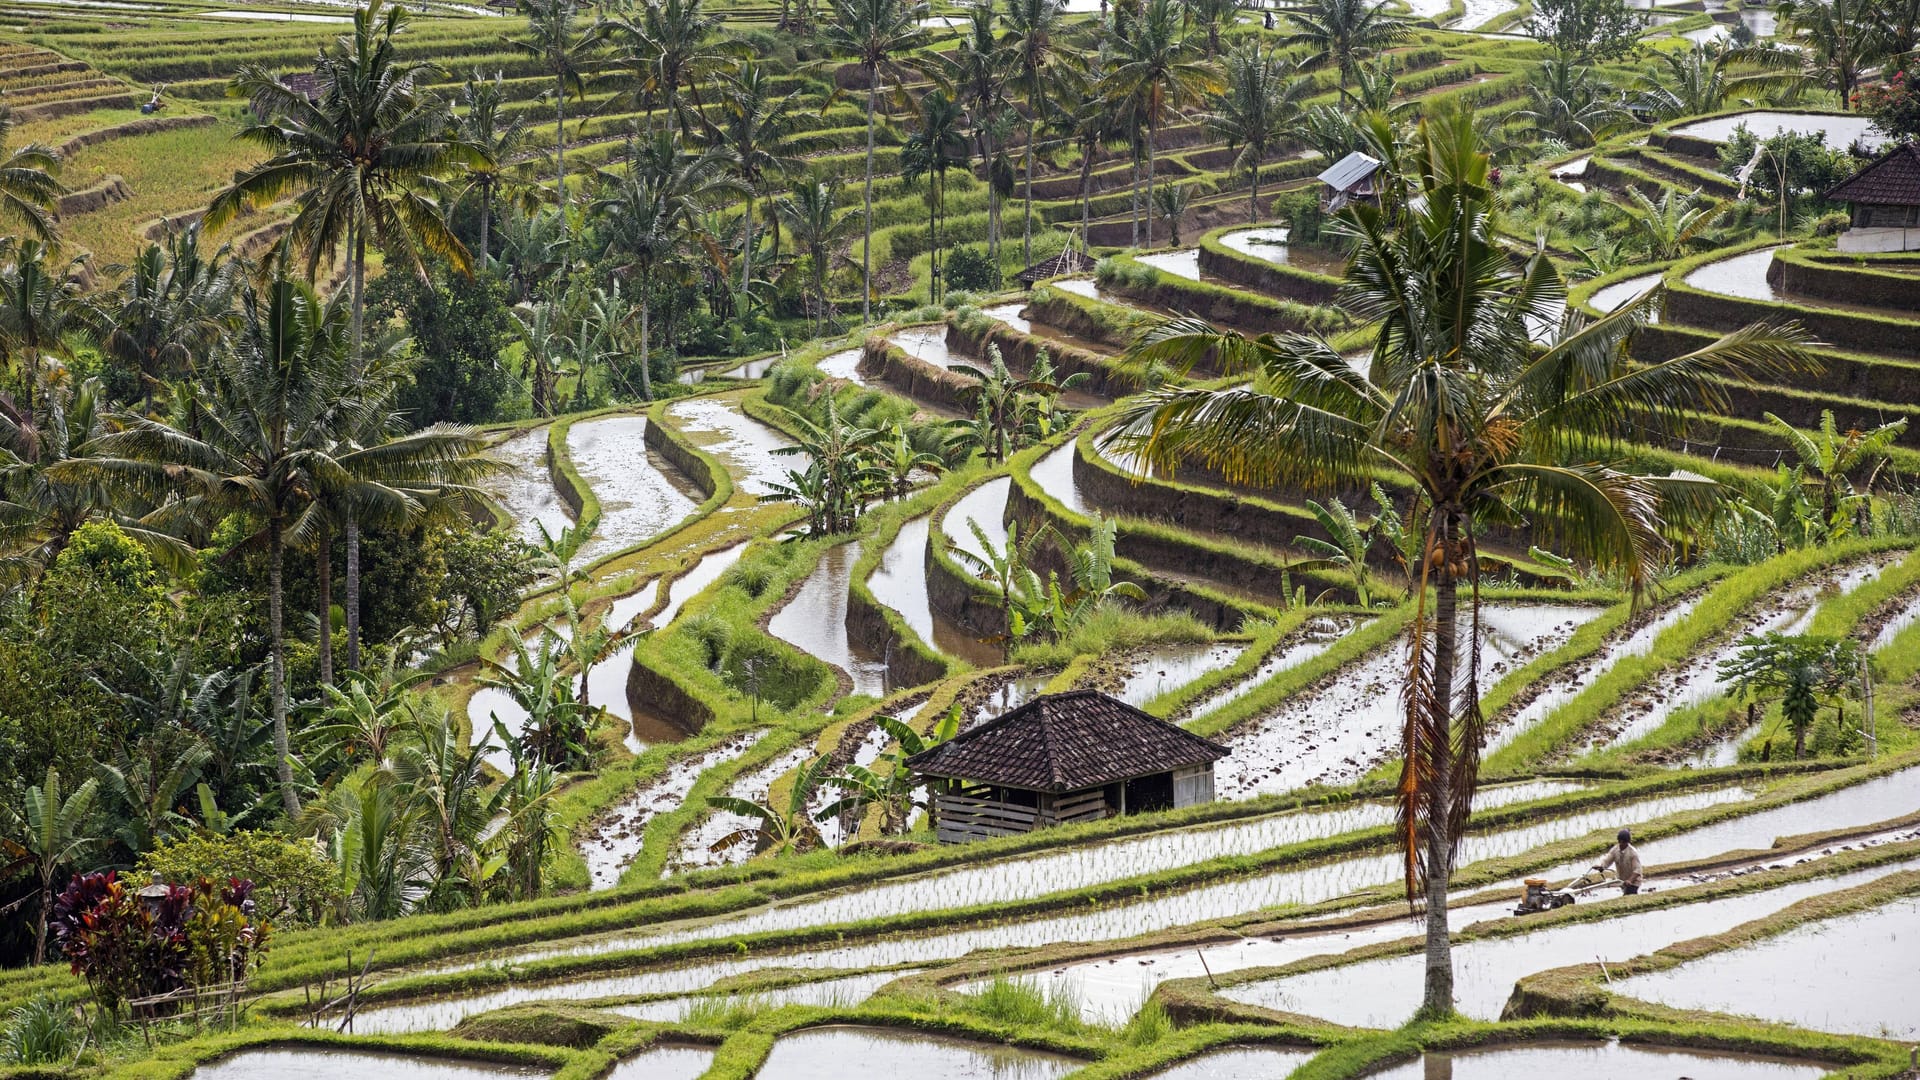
[
  {"x": 1005, "y": 696},
  {"x": 665, "y": 1063},
  {"x": 1270, "y": 244},
  {"x": 696, "y": 847},
  {"x": 1383, "y": 993},
  {"x": 1107, "y": 922},
  {"x": 527, "y": 493},
  {"x": 1183, "y": 263},
  {"x": 616, "y": 837},
  {"x": 1564, "y": 685},
  {"x": 844, "y": 364},
  {"x": 1698, "y": 680},
  {"x": 1314, "y": 638},
  {"x": 1846, "y": 975},
  {"x": 815, "y": 621},
  {"x": 1839, "y": 131},
  {"x": 1333, "y": 734},
  {"x": 316, "y": 1063},
  {"x": 1602, "y": 1061},
  {"x": 1607, "y": 300},
  {"x": 900, "y": 582},
  {"x": 837, "y": 993},
  {"x": 641, "y": 495},
  {"x": 1238, "y": 1063},
  {"x": 1011, "y": 314},
  {"x": 745, "y": 445},
  {"x": 985, "y": 505},
  {"x": 824, "y": 1053},
  {"x": 1744, "y": 276},
  {"x": 695, "y": 581},
  {"x": 1169, "y": 667}
]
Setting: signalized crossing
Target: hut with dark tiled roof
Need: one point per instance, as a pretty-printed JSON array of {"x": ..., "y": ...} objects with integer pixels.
[
  {"x": 1069, "y": 261},
  {"x": 1077, "y": 756},
  {"x": 1885, "y": 201}
]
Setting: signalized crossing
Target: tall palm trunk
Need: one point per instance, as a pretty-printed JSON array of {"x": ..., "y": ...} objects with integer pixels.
[
  {"x": 1086, "y": 197},
  {"x": 486, "y": 217},
  {"x": 746, "y": 255},
  {"x": 560, "y": 145},
  {"x": 352, "y": 527},
  {"x": 1438, "y": 998},
  {"x": 1153, "y": 155},
  {"x": 985, "y": 142},
  {"x": 277, "y": 677},
  {"x": 1026, "y": 240},
  {"x": 1133, "y": 192},
  {"x": 323, "y": 578},
  {"x": 1253, "y": 200},
  {"x": 866, "y": 248},
  {"x": 646, "y": 365},
  {"x": 353, "y": 593}
]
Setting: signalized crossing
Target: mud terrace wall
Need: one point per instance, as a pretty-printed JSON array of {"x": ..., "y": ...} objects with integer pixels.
[
  {"x": 131, "y": 128},
  {"x": 1020, "y": 350},
  {"x": 914, "y": 377}
]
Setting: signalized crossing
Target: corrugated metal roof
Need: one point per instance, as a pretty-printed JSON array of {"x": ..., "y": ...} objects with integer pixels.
[{"x": 1349, "y": 171}]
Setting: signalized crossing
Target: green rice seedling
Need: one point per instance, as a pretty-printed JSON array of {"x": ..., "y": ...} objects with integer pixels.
[{"x": 41, "y": 1032}]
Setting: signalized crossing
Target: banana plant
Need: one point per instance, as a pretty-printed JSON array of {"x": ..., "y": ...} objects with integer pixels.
[
  {"x": 891, "y": 788},
  {"x": 776, "y": 829},
  {"x": 43, "y": 833},
  {"x": 1345, "y": 550}
]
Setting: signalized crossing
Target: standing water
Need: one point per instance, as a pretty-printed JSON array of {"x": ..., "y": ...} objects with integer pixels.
[
  {"x": 1169, "y": 667},
  {"x": 1314, "y": 637},
  {"x": 1238, "y": 1063},
  {"x": 986, "y": 506},
  {"x": 1053, "y": 474},
  {"x": 696, "y": 847},
  {"x": 618, "y": 834},
  {"x": 745, "y": 445},
  {"x": 815, "y": 621},
  {"x": 1270, "y": 243},
  {"x": 824, "y": 1053},
  {"x": 1605, "y": 1061},
  {"x": 326, "y": 1063},
  {"x": 665, "y": 1063},
  {"x": 900, "y": 582},
  {"x": 527, "y": 493},
  {"x": 640, "y": 494}
]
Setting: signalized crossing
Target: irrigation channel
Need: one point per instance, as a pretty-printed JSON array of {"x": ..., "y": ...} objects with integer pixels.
[
  {"x": 1385, "y": 992},
  {"x": 1334, "y": 733},
  {"x": 998, "y": 883}
]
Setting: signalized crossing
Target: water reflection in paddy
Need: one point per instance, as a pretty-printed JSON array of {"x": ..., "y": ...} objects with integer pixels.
[
  {"x": 1843, "y": 975},
  {"x": 1314, "y": 638},
  {"x": 745, "y": 445},
  {"x": 664, "y": 1063},
  {"x": 1238, "y": 1063},
  {"x": 985, "y": 506},
  {"x": 1840, "y": 131},
  {"x": 640, "y": 494},
  {"x": 1607, "y": 300},
  {"x": 1270, "y": 243},
  {"x": 848, "y": 991},
  {"x": 825, "y": 1053},
  {"x": 900, "y": 582},
  {"x": 1383, "y": 993},
  {"x": 527, "y": 493},
  {"x": 815, "y": 621},
  {"x": 1169, "y": 667},
  {"x": 318, "y": 1063},
  {"x": 1604, "y": 1061},
  {"x": 616, "y": 837}
]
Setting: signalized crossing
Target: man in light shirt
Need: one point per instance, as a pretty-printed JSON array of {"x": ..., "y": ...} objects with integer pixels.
[{"x": 1625, "y": 861}]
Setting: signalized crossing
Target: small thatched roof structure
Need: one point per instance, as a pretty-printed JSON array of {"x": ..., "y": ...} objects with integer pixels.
[
  {"x": 1070, "y": 261},
  {"x": 1067, "y": 742}
]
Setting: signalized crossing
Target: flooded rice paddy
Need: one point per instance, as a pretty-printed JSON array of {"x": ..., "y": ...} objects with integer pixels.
[
  {"x": 815, "y": 621},
  {"x": 1600, "y": 1061},
  {"x": 900, "y": 582},
  {"x": 1270, "y": 243},
  {"x": 1845, "y": 974},
  {"x": 927, "y": 343},
  {"x": 1744, "y": 276},
  {"x": 744, "y": 445},
  {"x": 640, "y": 494},
  {"x": 843, "y": 992},
  {"x": 986, "y": 506},
  {"x": 1383, "y": 993},
  {"x": 1170, "y": 667},
  {"x": 1313, "y": 638},
  {"x": 665, "y": 1063},
  {"x": 1054, "y": 475},
  {"x": 1565, "y": 684},
  {"x": 1698, "y": 679},
  {"x": 1839, "y": 131},
  {"x": 1238, "y": 1063},
  {"x": 695, "y": 850},
  {"x": 844, "y": 364},
  {"x": 695, "y": 581},
  {"x": 327, "y": 1063},
  {"x": 617, "y": 836},
  {"x": 527, "y": 493},
  {"x": 1335, "y": 733},
  {"x": 825, "y": 1053},
  {"x": 1608, "y": 299},
  {"x": 1907, "y": 614}
]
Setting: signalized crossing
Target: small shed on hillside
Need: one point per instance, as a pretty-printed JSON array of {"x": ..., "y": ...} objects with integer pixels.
[
  {"x": 1885, "y": 200},
  {"x": 1069, "y": 261},
  {"x": 1349, "y": 180},
  {"x": 1077, "y": 756}
]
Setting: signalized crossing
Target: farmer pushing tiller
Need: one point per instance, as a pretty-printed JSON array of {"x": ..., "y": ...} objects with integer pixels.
[{"x": 1622, "y": 858}]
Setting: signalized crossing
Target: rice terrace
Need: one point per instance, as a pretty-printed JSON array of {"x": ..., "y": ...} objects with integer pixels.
[{"x": 974, "y": 540}]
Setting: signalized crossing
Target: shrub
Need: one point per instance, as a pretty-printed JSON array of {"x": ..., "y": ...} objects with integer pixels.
[
  {"x": 128, "y": 947},
  {"x": 293, "y": 884},
  {"x": 971, "y": 269}
]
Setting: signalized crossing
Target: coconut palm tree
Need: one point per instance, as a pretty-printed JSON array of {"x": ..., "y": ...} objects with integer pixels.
[
  {"x": 1486, "y": 428},
  {"x": 665, "y": 46},
  {"x": 1839, "y": 39},
  {"x": 1707, "y": 78},
  {"x": 1673, "y": 224},
  {"x": 977, "y": 70},
  {"x": 29, "y": 191},
  {"x": 1156, "y": 71},
  {"x": 45, "y": 832},
  {"x": 1832, "y": 459},
  {"x": 174, "y": 301},
  {"x": 500, "y": 140},
  {"x": 1214, "y": 16},
  {"x": 563, "y": 50},
  {"x": 1032, "y": 60},
  {"x": 1256, "y": 111},
  {"x": 649, "y": 213},
  {"x": 1342, "y": 33},
  {"x": 885, "y": 38},
  {"x": 1570, "y": 102},
  {"x": 812, "y": 218},
  {"x": 938, "y": 145},
  {"x": 755, "y": 120},
  {"x": 39, "y": 305}
]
